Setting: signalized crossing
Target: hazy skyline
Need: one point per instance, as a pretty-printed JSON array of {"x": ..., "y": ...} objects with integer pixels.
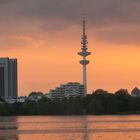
[{"x": 45, "y": 36}]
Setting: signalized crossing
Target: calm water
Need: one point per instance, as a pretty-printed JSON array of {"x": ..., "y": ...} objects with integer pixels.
[{"x": 70, "y": 128}]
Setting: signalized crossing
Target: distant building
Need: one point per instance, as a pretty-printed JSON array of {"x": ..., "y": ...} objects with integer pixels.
[
  {"x": 68, "y": 90},
  {"x": 135, "y": 92},
  {"x": 21, "y": 99},
  {"x": 8, "y": 78}
]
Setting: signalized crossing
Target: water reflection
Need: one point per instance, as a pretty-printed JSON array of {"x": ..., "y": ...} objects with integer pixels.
[
  {"x": 13, "y": 137},
  {"x": 8, "y": 125},
  {"x": 85, "y": 133},
  {"x": 70, "y": 128}
]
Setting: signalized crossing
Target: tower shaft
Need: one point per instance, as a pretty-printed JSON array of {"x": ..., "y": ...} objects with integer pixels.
[{"x": 85, "y": 79}]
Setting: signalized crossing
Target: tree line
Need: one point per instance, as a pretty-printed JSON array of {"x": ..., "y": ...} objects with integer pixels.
[{"x": 98, "y": 103}]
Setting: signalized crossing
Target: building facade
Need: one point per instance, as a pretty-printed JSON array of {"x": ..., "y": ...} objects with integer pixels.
[
  {"x": 72, "y": 89},
  {"x": 8, "y": 78}
]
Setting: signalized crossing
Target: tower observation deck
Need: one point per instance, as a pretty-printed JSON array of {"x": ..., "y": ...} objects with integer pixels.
[{"x": 84, "y": 53}]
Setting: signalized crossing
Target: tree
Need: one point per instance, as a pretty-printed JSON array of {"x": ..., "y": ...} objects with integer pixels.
[
  {"x": 36, "y": 94},
  {"x": 122, "y": 101}
]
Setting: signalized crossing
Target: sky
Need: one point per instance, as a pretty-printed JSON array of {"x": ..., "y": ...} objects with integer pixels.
[{"x": 45, "y": 36}]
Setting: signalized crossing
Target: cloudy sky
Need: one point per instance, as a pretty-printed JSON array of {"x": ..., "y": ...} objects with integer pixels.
[{"x": 45, "y": 37}]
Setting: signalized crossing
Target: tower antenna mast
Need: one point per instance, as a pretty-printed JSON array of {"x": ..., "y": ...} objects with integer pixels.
[{"x": 84, "y": 53}]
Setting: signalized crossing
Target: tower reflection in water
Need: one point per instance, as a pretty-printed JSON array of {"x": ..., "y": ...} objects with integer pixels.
[{"x": 85, "y": 124}]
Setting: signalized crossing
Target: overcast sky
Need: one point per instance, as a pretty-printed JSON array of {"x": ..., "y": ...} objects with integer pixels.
[{"x": 111, "y": 19}]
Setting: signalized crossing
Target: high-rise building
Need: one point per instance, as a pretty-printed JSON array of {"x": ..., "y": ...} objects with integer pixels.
[
  {"x": 8, "y": 78},
  {"x": 84, "y": 53}
]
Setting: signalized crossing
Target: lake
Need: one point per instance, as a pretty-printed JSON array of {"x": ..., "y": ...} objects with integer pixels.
[{"x": 70, "y": 127}]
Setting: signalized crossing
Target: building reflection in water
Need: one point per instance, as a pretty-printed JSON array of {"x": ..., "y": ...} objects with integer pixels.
[
  {"x": 12, "y": 137},
  {"x": 9, "y": 128}
]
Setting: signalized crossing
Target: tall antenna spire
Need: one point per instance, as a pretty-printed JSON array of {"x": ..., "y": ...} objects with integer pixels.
[
  {"x": 84, "y": 26},
  {"x": 84, "y": 36},
  {"x": 84, "y": 53}
]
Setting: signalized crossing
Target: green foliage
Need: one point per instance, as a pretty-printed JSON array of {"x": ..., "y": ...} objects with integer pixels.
[
  {"x": 99, "y": 102},
  {"x": 36, "y": 94}
]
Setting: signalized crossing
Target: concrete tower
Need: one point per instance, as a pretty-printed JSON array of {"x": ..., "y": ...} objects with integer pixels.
[{"x": 84, "y": 53}]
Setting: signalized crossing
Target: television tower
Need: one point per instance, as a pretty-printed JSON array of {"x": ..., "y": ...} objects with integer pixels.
[{"x": 84, "y": 53}]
